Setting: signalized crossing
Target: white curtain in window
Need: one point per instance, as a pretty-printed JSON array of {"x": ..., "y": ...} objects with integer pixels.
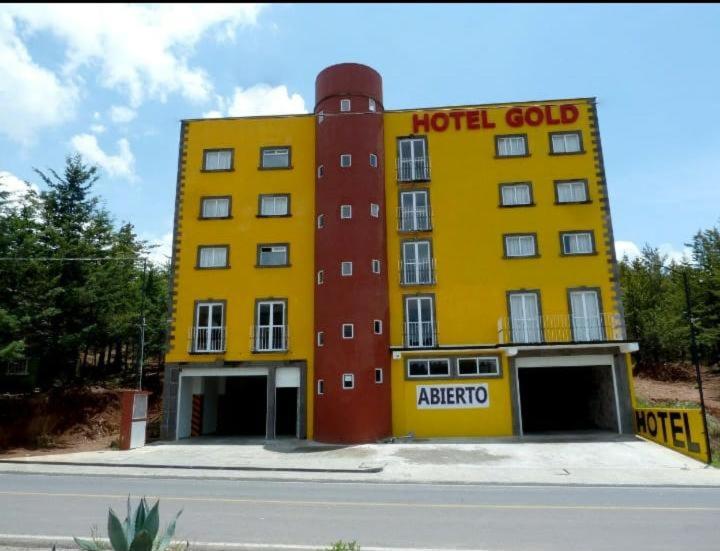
[
  {"x": 566, "y": 143},
  {"x": 520, "y": 245},
  {"x": 518, "y": 194},
  {"x": 577, "y": 243},
  {"x": 217, "y": 160},
  {"x": 511, "y": 146},
  {"x": 571, "y": 192},
  {"x": 524, "y": 317},
  {"x": 587, "y": 323},
  {"x": 212, "y": 257},
  {"x": 216, "y": 208},
  {"x": 274, "y": 206}
]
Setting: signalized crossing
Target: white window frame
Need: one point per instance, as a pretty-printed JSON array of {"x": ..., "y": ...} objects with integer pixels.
[
  {"x": 477, "y": 373},
  {"x": 373, "y": 160},
  {"x": 212, "y": 250},
  {"x": 352, "y": 330},
  {"x": 213, "y": 333},
  {"x": 320, "y": 277},
  {"x": 378, "y": 371},
  {"x": 421, "y": 269},
  {"x": 372, "y": 106},
  {"x": 586, "y": 328},
  {"x": 415, "y": 215},
  {"x": 507, "y": 145},
  {"x": 320, "y": 337},
  {"x": 321, "y": 171},
  {"x": 321, "y": 221},
  {"x": 514, "y": 195},
  {"x": 424, "y": 325},
  {"x": 346, "y": 268},
  {"x": 345, "y": 209},
  {"x": 377, "y": 327},
  {"x": 321, "y": 117},
  {"x": 374, "y": 210},
  {"x": 572, "y": 186},
  {"x": 321, "y": 387},
  {"x": 427, "y": 363},
  {"x": 507, "y": 238},
  {"x": 562, "y": 142},
  {"x": 575, "y": 236},
  {"x": 275, "y": 152},
  {"x": 216, "y": 202},
  {"x": 345, "y": 158},
  {"x": 345, "y": 105},
  {"x": 274, "y": 210},
  {"x": 348, "y": 378},
  {"x": 528, "y": 326},
  {"x": 273, "y": 251},
  {"x": 271, "y": 327},
  {"x": 216, "y": 166},
  {"x": 375, "y": 266},
  {"x": 416, "y": 166}
]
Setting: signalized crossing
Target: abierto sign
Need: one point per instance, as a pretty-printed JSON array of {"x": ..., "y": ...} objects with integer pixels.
[
  {"x": 457, "y": 396},
  {"x": 679, "y": 429}
]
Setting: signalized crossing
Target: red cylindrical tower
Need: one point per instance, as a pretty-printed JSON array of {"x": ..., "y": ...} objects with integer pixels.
[{"x": 355, "y": 128}]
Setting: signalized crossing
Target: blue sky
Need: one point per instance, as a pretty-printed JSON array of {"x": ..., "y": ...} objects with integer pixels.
[{"x": 113, "y": 82}]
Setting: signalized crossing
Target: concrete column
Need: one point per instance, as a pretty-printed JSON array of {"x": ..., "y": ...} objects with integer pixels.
[
  {"x": 270, "y": 416},
  {"x": 170, "y": 402}
]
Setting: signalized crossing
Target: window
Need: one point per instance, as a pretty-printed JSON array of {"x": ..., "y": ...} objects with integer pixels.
[
  {"x": 375, "y": 266},
  {"x": 213, "y": 257},
  {"x": 274, "y": 205},
  {"x": 478, "y": 366},
  {"x": 565, "y": 142},
  {"x": 321, "y": 221},
  {"x": 348, "y": 330},
  {"x": 321, "y": 277},
  {"x": 275, "y": 157},
  {"x": 513, "y": 195},
  {"x": 587, "y": 322},
  {"x": 321, "y": 171},
  {"x": 574, "y": 191},
  {"x": 348, "y": 381},
  {"x": 378, "y": 375},
  {"x": 417, "y": 263},
  {"x": 217, "y": 159},
  {"x": 413, "y": 163},
  {"x": 215, "y": 207},
  {"x": 524, "y": 317},
  {"x": 377, "y": 327},
  {"x": 373, "y": 160},
  {"x": 371, "y": 104},
  {"x": 511, "y": 146},
  {"x": 414, "y": 211},
  {"x": 321, "y": 338},
  {"x": 346, "y": 268},
  {"x": 374, "y": 210},
  {"x": 577, "y": 243},
  {"x": 520, "y": 245},
  {"x": 344, "y": 105},
  {"x": 273, "y": 255},
  {"x": 17, "y": 368},
  {"x": 345, "y": 211},
  {"x": 419, "y": 322},
  {"x": 321, "y": 117},
  {"x": 345, "y": 160},
  {"x": 270, "y": 328},
  {"x": 428, "y": 368},
  {"x": 321, "y": 387},
  {"x": 209, "y": 330}
]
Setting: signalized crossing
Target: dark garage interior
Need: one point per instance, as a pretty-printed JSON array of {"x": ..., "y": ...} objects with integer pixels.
[
  {"x": 242, "y": 410},
  {"x": 286, "y": 412},
  {"x": 567, "y": 399}
]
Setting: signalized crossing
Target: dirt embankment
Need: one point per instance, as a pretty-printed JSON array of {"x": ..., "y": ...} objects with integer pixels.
[{"x": 681, "y": 386}]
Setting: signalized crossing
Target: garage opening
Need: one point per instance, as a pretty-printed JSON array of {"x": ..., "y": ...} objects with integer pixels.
[
  {"x": 286, "y": 417},
  {"x": 567, "y": 399},
  {"x": 242, "y": 409}
]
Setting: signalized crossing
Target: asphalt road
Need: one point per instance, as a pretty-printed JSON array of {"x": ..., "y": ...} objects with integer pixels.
[{"x": 437, "y": 516}]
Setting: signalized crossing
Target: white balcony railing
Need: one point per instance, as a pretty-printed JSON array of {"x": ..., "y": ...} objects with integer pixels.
[
  {"x": 420, "y": 334},
  {"x": 269, "y": 338},
  {"x": 414, "y": 219},
  {"x": 418, "y": 273},
  {"x": 206, "y": 339},
  {"x": 561, "y": 328},
  {"x": 415, "y": 169}
]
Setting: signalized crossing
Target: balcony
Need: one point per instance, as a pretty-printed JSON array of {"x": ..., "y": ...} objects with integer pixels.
[
  {"x": 206, "y": 340},
  {"x": 561, "y": 328},
  {"x": 414, "y": 169},
  {"x": 418, "y": 273},
  {"x": 414, "y": 220},
  {"x": 420, "y": 334},
  {"x": 269, "y": 338}
]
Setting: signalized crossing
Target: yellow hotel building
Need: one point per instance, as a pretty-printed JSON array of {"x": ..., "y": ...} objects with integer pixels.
[{"x": 359, "y": 273}]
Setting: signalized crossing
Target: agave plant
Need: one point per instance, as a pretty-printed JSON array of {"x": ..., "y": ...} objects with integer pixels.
[{"x": 139, "y": 532}]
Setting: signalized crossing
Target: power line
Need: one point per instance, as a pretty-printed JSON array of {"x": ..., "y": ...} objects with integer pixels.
[{"x": 70, "y": 259}]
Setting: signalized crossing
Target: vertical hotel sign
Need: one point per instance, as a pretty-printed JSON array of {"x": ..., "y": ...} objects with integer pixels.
[{"x": 679, "y": 429}]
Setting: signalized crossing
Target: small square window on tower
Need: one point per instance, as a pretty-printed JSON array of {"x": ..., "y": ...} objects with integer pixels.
[
  {"x": 375, "y": 266},
  {"x": 345, "y": 211},
  {"x": 321, "y": 387},
  {"x": 373, "y": 160},
  {"x": 344, "y": 105},
  {"x": 321, "y": 338},
  {"x": 321, "y": 171},
  {"x": 348, "y": 330},
  {"x": 374, "y": 210},
  {"x": 321, "y": 221},
  {"x": 345, "y": 160},
  {"x": 346, "y": 268},
  {"x": 348, "y": 381},
  {"x": 377, "y": 327},
  {"x": 321, "y": 277},
  {"x": 378, "y": 375},
  {"x": 371, "y": 104},
  {"x": 321, "y": 117}
]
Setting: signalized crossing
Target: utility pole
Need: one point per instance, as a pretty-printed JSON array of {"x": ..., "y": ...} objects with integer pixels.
[
  {"x": 696, "y": 362},
  {"x": 142, "y": 327}
]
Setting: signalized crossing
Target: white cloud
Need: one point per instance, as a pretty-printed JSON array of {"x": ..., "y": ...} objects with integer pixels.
[
  {"x": 97, "y": 128},
  {"x": 668, "y": 250},
  {"x": 120, "y": 114},
  {"x": 121, "y": 165},
  {"x": 32, "y": 97},
  {"x": 626, "y": 248},
  {"x": 14, "y": 185},
  {"x": 262, "y": 99},
  {"x": 142, "y": 50},
  {"x": 162, "y": 253},
  {"x": 212, "y": 115}
]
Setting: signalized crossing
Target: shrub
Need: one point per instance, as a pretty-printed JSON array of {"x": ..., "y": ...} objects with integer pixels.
[{"x": 344, "y": 546}]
